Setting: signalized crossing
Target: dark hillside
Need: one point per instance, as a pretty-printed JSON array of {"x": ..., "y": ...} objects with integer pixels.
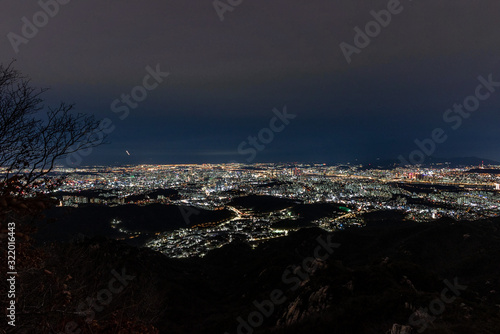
[{"x": 376, "y": 277}]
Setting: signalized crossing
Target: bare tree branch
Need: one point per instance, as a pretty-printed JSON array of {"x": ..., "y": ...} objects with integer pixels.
[{"x": 34, "y": 137}]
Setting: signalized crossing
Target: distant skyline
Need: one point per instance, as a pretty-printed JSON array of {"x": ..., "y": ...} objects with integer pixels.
[{"x": 225, "y": 78}]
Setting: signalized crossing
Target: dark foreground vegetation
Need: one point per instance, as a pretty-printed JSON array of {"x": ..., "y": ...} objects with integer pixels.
[{"x": 440, "y": 277}]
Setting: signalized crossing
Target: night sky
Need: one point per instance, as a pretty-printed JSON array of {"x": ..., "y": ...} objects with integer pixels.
[{"x": 226, "y": 76}]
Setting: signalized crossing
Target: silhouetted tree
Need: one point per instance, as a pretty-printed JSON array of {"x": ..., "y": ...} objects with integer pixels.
[{"x": 32, "y": 136}]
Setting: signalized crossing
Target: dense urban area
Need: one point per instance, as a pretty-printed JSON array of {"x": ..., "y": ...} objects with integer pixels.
[{"x": 264, "y": 201}]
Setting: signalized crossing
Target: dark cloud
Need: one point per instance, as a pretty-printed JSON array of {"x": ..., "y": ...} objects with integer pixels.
[{"x": 226, "y": 77}]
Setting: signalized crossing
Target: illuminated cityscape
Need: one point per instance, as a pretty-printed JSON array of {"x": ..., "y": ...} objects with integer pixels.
[{"x": 350, "y": 195}]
